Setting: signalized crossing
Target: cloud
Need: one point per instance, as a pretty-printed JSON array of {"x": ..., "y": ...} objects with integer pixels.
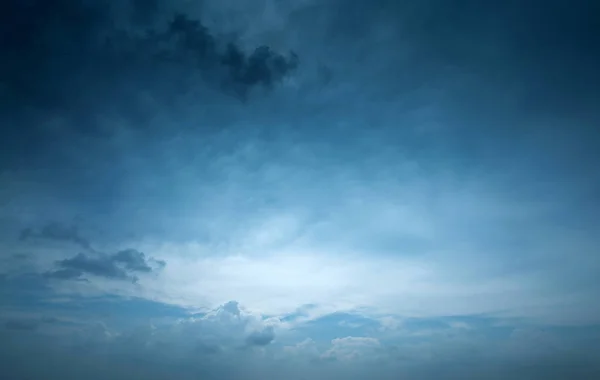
[
  {"x": 66, "y": 274},
  {"x": 134, "y": 260},
  {"x": 232, "y": 307},
  {"x": 351, "y": 348},
  {"x": 72, "y": 68},
  {"x": 52, "y": 59},
  {"x": 58, "y": 232},
  {"x": 262, "y": 337},
  {"x": 261, "y": 67},
  {"x": 208, "y": 344},
  {"x": 118, "y": 266}
]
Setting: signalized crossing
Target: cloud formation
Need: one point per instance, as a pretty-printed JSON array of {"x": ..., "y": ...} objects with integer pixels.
[
  {"x": 58, "y": 232},
  {"x": 50, "y": 43},
  {"x": 122, "y": 265},
  {"x": 207, "y": 346},
  {"x": 262, "y": 337},
  {"x": 69, "y": 63},
  {"x": 351, "y": 348}
]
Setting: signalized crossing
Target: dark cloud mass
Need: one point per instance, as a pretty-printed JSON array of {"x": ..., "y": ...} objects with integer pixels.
[
  {"x": 57, "y": 48},
  {"x": 73, "y": 60},
  {"x": 133, "y": 260},
  {"x": 118, "y": 266}
]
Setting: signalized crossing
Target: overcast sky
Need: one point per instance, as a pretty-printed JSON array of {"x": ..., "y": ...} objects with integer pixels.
[{"x": 299, "y": 189}]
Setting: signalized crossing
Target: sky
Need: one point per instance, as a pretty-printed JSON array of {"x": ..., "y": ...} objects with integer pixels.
[{"x": 299, "y": 189}]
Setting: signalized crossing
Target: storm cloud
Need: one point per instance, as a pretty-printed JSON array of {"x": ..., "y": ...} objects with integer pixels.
[
  {"x": 77, "y": 62},
  {"x": 118, "y": 266},
  {"x": 56, "y": 49}
]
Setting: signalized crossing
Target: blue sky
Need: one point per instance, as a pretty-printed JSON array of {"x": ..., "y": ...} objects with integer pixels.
[{"x": 299, "y": 189}]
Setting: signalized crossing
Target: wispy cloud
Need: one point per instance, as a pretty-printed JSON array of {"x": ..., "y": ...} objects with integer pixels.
[{"x": 58, "y": 232}]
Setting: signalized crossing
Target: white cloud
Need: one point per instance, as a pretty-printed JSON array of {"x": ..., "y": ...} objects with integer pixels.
[
  {"x": 389, "y": 323},
  {"x": 307, "y": 349},
  {"x": 352, "y": 348}
]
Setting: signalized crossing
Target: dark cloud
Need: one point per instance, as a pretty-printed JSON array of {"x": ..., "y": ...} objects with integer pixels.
[
  {"x": 66, "y": 274},
  {"x": 59, "y": 52},
  {"x": 102, "y": 266},
  {"x": 263, "y": 66},
  {"x": 132, "y": 260},
  {"x": 119, "y": 266},
  {"x": 68, "y": 67},
  {"x": 261, "y": 338},
  {"x": 57, "y": 232}
]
